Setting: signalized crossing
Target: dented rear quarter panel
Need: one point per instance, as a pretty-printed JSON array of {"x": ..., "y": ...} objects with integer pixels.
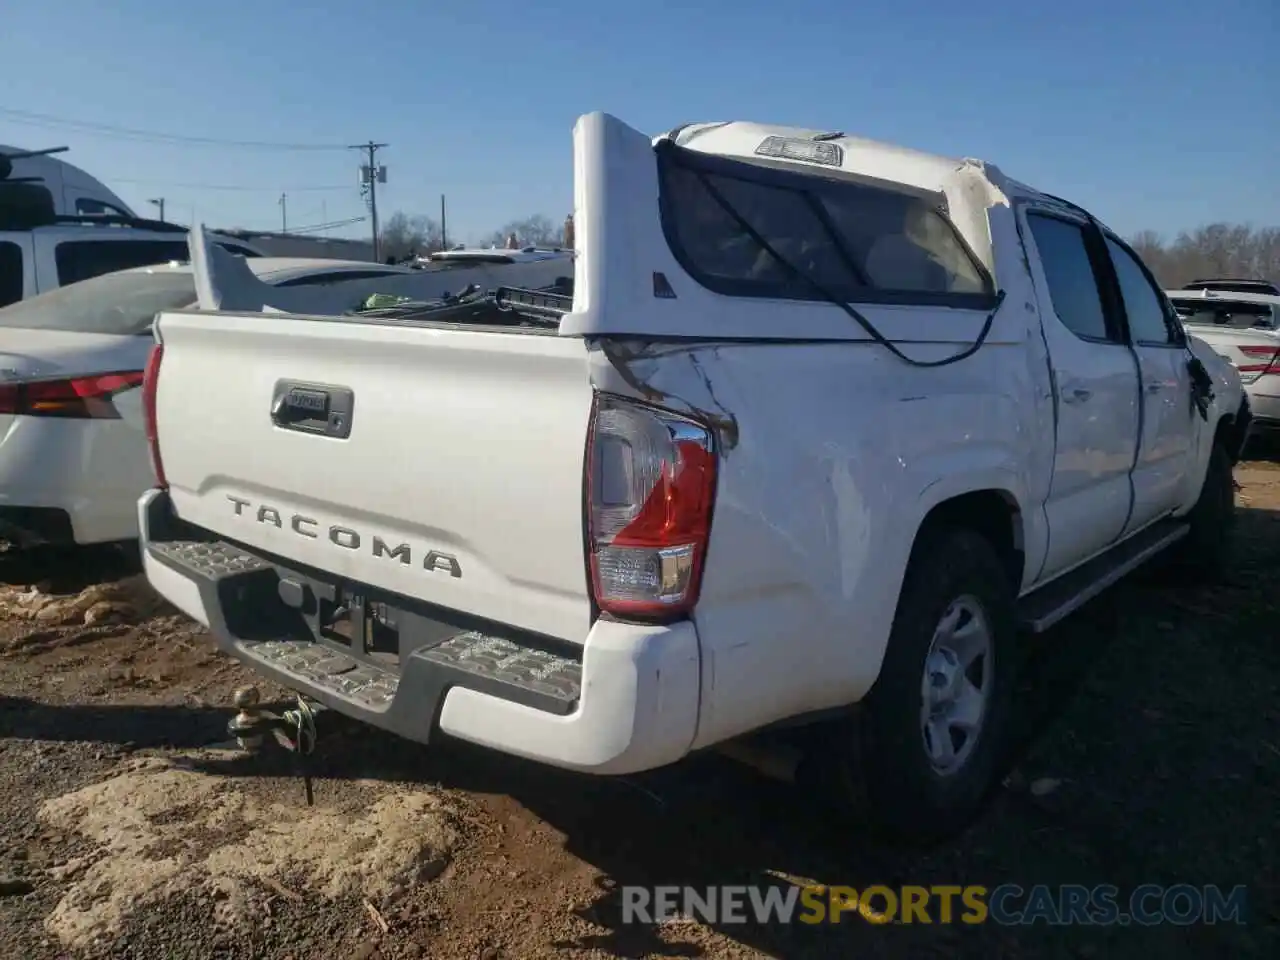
[
  {"x": 831, "y": 455},
  {"x": 832, "y": 450}
]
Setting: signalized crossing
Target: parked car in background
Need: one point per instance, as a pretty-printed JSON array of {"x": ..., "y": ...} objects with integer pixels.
[
  {"x": 465, "y": 256},
  {"x": 1229, "y": 285},
  {"x": 1242, "y": 325},
  {"x": 820, "y": 423},
  {"x": 42, "y": 250},
  {"x": 73, "y": 457}
]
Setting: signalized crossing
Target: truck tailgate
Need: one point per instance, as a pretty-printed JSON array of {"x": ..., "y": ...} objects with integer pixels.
[{"x": 460, "y": 481}]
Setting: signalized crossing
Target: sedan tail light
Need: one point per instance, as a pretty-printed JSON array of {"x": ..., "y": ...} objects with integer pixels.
[
  {"x": 1262, "y": 359},
  {"x": 80, "y": 398},
  {"x": 150, "y": 383}
]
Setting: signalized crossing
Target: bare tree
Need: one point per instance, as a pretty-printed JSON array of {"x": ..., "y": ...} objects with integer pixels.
[
  {"x": 402, "y": 234},
  {"x": 1214, "y": 250},
  {"x": 534, "y": 231}
]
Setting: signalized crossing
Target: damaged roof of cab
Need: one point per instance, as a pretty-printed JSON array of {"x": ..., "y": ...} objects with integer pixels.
[{"x": 761, "y": 142}]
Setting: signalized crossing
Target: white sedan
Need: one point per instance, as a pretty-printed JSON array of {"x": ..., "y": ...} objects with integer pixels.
[{"x": 73, "y": 454}]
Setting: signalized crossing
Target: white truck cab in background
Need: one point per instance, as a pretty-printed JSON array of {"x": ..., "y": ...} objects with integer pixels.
[{"x": 825, "y": 424}]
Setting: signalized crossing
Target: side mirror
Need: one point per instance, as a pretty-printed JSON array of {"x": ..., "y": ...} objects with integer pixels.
[{"x": 1201, "y": 387}]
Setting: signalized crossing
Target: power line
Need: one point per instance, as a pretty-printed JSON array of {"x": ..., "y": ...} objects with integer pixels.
[
  {"x": 233, "y": 187},
  {"x": 132, "y": 133},
  {"x": 321, "y": 227}
]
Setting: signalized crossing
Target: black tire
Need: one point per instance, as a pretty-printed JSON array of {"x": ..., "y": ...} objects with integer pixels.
[
  {"x": 891, "y": 772},
  {"x": 1204, "y": 554}
]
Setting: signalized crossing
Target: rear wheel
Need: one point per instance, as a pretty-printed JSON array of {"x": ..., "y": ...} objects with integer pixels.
[{"x": 933, "y": 733}]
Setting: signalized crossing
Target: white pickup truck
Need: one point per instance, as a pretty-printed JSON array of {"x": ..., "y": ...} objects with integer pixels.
[{"x": 822, "y": 425}]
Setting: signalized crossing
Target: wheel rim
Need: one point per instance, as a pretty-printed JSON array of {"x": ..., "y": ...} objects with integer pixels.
[{"x": 956, "y": 687}]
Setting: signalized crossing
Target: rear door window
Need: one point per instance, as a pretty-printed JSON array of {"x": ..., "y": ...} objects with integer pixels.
[
  {"x": 1073, "y": 284},
  {"x": 11, "y": 280},
  {"x": 856, "y": 241},
  {"x": 83, "y": 259}
]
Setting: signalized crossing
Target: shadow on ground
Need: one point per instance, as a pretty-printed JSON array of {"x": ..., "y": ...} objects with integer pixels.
[{"x": 69, "y": 569}]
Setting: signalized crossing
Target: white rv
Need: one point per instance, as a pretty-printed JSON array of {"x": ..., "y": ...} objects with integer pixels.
[{"x": 74, "y": 192}]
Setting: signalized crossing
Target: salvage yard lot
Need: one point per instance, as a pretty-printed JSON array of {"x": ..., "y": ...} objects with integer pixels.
[{"x": 125, "y": 831}]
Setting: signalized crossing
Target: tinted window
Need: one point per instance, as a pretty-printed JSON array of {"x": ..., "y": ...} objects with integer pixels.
[
  {"x": 119, "y": 303},
  {"x": 1073, "y": 288},
  {"x": 336, "y": 276},
  {"x": 884, "y": 242},
  {"x": 81, "y": 259},
  {"x": 1143, "y": 304},
  {"x": 87, "y": 206},
  {"x": 10, "y": 273}
]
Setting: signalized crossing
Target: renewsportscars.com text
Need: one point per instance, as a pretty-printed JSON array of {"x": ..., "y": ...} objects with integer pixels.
[{"x": 1007, "y": 904}]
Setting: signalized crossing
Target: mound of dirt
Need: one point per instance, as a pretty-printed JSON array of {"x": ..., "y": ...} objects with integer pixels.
[
  {"x": 161, "y": 828},
  {"x": 129, "y": 600}
]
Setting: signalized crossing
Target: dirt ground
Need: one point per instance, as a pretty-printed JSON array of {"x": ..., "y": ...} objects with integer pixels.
[{"x": 129, "y": 830}]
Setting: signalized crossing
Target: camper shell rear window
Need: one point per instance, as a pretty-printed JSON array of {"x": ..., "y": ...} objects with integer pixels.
[{"x": 857, "y": 239}]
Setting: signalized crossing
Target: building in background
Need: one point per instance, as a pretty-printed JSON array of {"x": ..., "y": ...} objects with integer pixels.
[{"x": 302, "y": 245}]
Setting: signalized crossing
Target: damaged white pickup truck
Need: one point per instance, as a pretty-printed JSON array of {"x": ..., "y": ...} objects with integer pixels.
[{"x": 821, "y": 423}]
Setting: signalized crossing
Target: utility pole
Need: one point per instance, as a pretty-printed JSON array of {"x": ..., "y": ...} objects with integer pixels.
[
  {"x": 158, "y": 202},
  {"x": 370, "y": 177},
  {"x": 284, "y": 215},
  {"x": 444, "y": 230}
]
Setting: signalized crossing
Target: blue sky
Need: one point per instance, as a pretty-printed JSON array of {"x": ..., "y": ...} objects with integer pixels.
[{"x": 1116, "y": 105}]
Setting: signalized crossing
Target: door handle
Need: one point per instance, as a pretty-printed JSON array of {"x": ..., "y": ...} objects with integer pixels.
[{"x": 1076, "y": 395}]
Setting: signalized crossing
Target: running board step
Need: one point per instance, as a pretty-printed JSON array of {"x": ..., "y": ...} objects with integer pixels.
[{"x": 1041, "y": 609}]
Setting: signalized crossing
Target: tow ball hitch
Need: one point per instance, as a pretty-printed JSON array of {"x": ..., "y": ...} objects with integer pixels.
[{"x": 294, "y": 730}]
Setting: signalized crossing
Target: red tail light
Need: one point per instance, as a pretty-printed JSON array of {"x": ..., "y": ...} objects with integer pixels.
[
  {"x": 81, "y": 398},
  {"x": 650, "y": 487},
  {"x": 1264, "y": 357},
  {"x": 151, "y": 377}
]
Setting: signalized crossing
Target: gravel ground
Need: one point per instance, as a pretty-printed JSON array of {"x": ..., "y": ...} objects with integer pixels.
[{"x": 127, "y": 830}]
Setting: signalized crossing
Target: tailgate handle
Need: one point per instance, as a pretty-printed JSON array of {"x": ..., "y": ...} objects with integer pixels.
[{"x": 316, "y": 408}]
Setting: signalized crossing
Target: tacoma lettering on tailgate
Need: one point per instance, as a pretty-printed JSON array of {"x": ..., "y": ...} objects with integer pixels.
[{"x": 343, "y": 537}]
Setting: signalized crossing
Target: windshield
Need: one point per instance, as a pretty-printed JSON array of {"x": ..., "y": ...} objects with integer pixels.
[
  {"x": 1225, "y": 313},
  {"x": 123, "y": 304}
]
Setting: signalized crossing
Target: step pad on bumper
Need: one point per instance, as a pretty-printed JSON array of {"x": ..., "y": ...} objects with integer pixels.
[
  {"x": 331, "y": 670},
  {"x": 213, "y": 560},
  {"x": 469, "y": 658},
  {"x": 505, "y": 662}
]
